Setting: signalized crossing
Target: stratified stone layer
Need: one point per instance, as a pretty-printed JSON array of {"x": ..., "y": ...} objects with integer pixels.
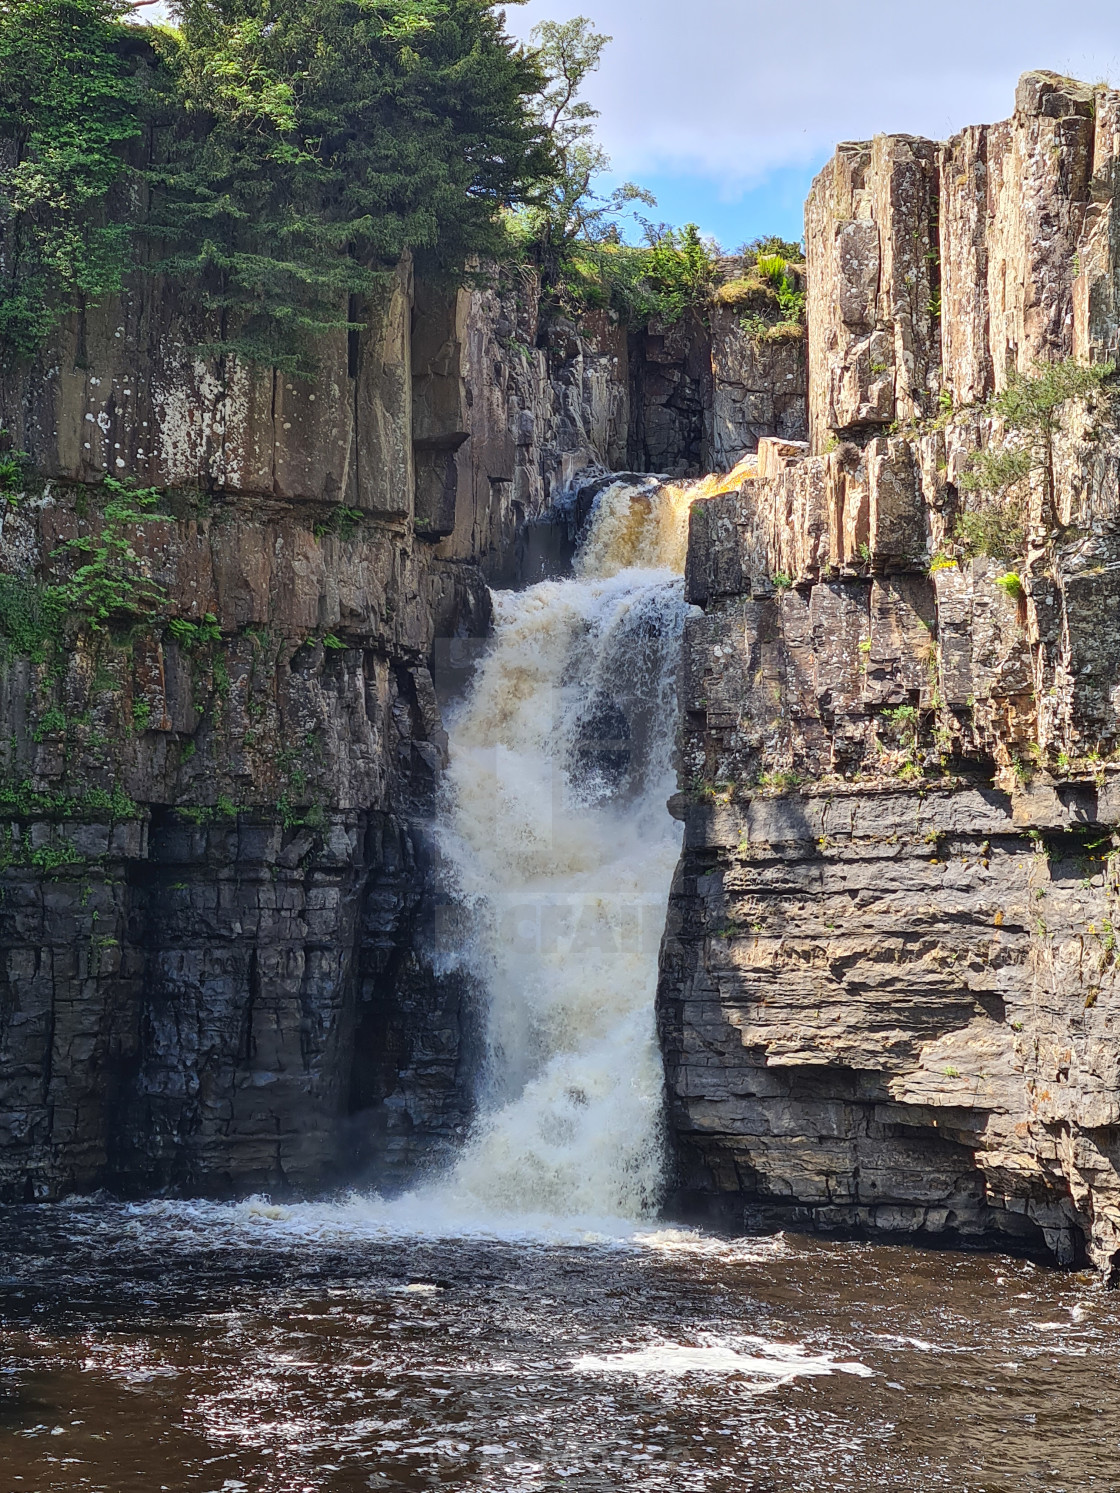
[
  {"x": 218, "y": 914},
  {"x": 220, "y": 921},
  {"x": 888, "y": 993}
]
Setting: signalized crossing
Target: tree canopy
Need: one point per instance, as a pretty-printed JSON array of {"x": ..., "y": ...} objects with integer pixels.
[
  {"x": 299, "y": 147},
  {"x": 574, "y": 228},
  {"x": 276, "y": 157},
  {"x": 571, "y": 209},
  {"x": 69, "y": 106}
]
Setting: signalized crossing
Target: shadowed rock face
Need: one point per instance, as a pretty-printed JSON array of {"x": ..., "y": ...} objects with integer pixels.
[
  {"x": 220, "y": 919},
  {"x": 888, "y": 985},
  {"x": 214, "y": 859}
]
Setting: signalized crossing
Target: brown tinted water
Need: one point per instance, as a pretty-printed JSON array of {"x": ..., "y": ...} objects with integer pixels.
[{"x": 229, "y": 1351}]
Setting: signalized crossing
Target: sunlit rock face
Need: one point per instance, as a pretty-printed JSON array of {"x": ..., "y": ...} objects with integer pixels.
[{"x": 888, "y": 986}]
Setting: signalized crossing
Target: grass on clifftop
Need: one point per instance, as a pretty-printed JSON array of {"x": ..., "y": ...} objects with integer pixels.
[
  {"x": 659, "y": 281},
  {"x": 769, "y": 298}
]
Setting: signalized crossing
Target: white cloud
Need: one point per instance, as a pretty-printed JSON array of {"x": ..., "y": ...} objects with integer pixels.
[{"x": 733, "y": 89}]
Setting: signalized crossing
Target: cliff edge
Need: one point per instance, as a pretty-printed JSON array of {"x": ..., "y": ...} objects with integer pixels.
[{"x": 888, "y": 994}]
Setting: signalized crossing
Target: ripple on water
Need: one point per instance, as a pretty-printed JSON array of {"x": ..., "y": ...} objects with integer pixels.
[{"x": 193, "y": 1346}]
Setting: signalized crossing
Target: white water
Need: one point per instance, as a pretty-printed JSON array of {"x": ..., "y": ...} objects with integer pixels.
[{"x": 561, "y": 851}]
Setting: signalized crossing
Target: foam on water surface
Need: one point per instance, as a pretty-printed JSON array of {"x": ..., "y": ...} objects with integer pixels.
[{"x": 767, "y": 1363}]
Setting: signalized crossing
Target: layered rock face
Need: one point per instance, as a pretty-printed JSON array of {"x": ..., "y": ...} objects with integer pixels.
[
  {"x": 706, "y": 390},
  {"x": 888, "y": 994},
  {"x": 217, "y": 913}
]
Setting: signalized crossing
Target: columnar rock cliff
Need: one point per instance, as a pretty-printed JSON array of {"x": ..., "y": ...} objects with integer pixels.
[
  {"x": 889, "y": 992},
  {"x": 888, "y": 981},
  {"x": 218, "y": 759},
  {"x": 214, "y": 879}
]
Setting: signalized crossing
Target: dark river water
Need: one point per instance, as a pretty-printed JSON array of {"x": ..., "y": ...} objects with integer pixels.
[{"x": 243, "y": 1348}]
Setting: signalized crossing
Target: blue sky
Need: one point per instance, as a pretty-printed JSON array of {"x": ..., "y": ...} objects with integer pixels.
[
  {"x": 725, "y": 109},
  {"x": 733, "y": 214}
]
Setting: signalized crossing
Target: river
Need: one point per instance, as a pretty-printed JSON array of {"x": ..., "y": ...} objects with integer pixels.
[{"x": 252, "y": 1349}]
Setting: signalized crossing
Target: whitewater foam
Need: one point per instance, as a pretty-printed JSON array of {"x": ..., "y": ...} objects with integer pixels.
[
  {"x": 768, "y": 1364},
  {"x": 558, "y": 852}
]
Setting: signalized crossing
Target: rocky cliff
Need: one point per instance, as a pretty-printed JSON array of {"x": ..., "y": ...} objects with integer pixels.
[
  {"x": 215, "y": 775},
  {"x": 221, "y": 700},
  {"x": 889, "y": 990}
]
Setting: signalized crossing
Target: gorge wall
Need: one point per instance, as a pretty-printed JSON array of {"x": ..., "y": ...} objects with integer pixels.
[
  {"x": 218, "y": 934},
  {"x": 888, "y": 981},
  {"x": 889, "y": 992}
]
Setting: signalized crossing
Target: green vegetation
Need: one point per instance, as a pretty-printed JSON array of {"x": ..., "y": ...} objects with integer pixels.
[
  {"x": 672, "y": 273},
  {"x": 902, "y": 722},
  {"x": 995, "y": 530},
  {"x": 341, "y": 521},
  {"x": 902, "y": 716},
  {"x": 30, "y": 615},
  {"x": 195, "y": 635},
  {"x": 680, "y": 270},
  {"x": 1031, "y": 410},
  {"x": 13, "y": 472},
  {"x": 51, "y": 723},
  {"x": 779, "y": 779},
  {"x": 112, "y": 583},
  {"x": 998, "y": 471},
  {"x": 781, "y": 248},
  {"x": 109, "y": 585},
  {"x": 51, "y": 857},
  {"x": 302, "y": 145},
  {"x": 18, "y": 800},
  {"x": 324, "y": 137},
  {"x": 568, "y": 210},
  {"x": 223, "y": 808},
  {"x": 274, "y": 158},
  {"x": 1011, "y": 585},
  {"x": 574, "y": 232},
  {"x": 70, "y": 99},
  {"x": 768, "y": 296},
  {"x": 300, "y": 816}
]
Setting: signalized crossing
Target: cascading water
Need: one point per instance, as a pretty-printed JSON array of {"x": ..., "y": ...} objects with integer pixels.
[{"x": 560, "y": 852}]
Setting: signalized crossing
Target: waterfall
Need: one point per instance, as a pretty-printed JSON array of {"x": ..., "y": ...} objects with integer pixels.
[{"x": 559, "y": 851}]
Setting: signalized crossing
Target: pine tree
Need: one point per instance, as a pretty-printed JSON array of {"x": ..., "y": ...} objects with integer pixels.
[
  {"x": 299, "y": 147},
  {"x": 323, "y": 138}
]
